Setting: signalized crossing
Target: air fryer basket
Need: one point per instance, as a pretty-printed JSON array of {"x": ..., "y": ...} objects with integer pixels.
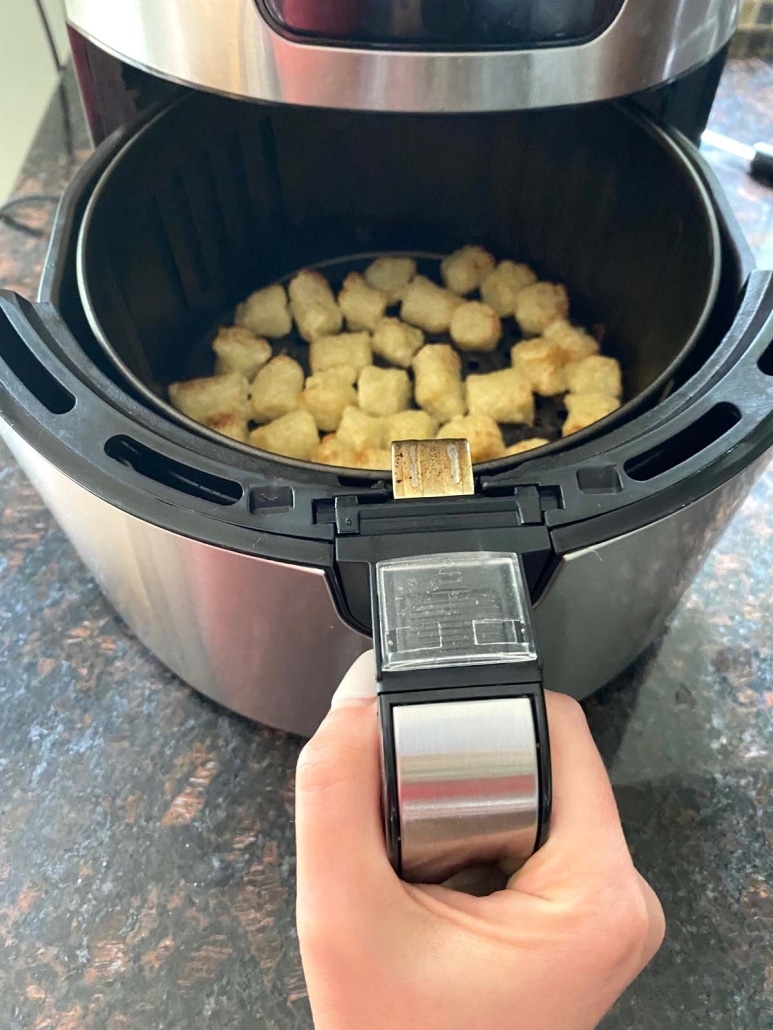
[{"x": 214, "y": 198}]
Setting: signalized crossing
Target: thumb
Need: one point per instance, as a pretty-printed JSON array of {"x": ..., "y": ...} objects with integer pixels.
[{"x": 341, "y": 853}]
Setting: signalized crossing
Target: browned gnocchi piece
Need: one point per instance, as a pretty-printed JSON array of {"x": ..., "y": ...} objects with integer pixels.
[
  {"x": 391, "y": 274},
  {"x": 239, "y": 350},
  {"x": 313, "y": 305},
  {"x": 397, "y": 342},
  {"x": 505, "y": 396},
  {"x": 363, "y": 305},
  {"x": 575, "y": 343},
  {"x": 501, "y": 287},
  {"x": 539, "y": 305},
  {"x": 482, "y": 432},
  {"x": 526, "y": 445},
  {"x": 232, "y": 426},
  {"x": 583, "y": 409},
  {"x": 327, "y": 394},
  {"x": 351, "y": 350},
  {"x": 276, "y": 389},
  {"x": 360, "y": 431},
  {"x": 211, "y": 397},
  {"x": 541, "y": 362},
  {"x": 293, "y": 435},
  {"x": 476, "y": 327},
  {"x": 439, "y": 388},
  {"x": 465, "y": 269},
  {"x": 266, "y": 312},
  {"x": 427, "y": 305},
  {"x": 596, "y": 374},
  {"x": 409, "y": 425},
  {"x": 383, "y": 391}
]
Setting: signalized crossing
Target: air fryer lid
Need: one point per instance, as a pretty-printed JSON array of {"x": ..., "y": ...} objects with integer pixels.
[{"x": 214, "y": 198}]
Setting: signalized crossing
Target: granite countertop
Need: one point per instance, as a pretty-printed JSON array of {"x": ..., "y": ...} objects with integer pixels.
[{"x": 146, "y": 836}]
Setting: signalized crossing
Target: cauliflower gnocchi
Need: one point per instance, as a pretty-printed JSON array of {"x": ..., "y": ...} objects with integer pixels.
[
  {"x": 293, "y": 435},
  {"x": 212, "y": 397},
  {"x": 391, "y": 274},
  {"x": 327, "y": 394},
  {"x": 434, "y": 372},
  {"x": 465, "y": 269},
  {"x": 437, "y": 370},
  {"x": 583, "y": 409},
  {"x": 428, "y": 306},
  {"x": 539, "y": 305},
  {"x": 505, "y": 396},
  {"x": 397, "y": 342},
  {"x": 239, "y": 350},
  {"x": 313, "y": 306},
  {"x": 476, "y": 326},
  {"x": 363, "y": 306},
  {"x": 542, "y": 363},
  {"x": 484, "y": 435},
  {"x": 266, "y": 313},
  {"x": 501, "y": 287},
  {"x": 276, "y": 389},
  {"x": 351, "y": 350},
  {"x": 383, "y": 391},
  {"x": 595, "y": 374}
]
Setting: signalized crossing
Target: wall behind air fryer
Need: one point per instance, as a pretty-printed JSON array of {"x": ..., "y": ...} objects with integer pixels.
[{"x": 27, "y": 79}]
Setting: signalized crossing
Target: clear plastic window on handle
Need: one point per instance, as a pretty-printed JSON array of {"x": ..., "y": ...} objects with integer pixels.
[{"x": 453, "y": 610}]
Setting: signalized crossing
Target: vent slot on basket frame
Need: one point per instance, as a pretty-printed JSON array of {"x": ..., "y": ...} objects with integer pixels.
[{"x": 676, "y": 450}]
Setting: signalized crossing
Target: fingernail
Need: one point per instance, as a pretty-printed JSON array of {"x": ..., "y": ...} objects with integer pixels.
[{"x": 359, "y": 684}]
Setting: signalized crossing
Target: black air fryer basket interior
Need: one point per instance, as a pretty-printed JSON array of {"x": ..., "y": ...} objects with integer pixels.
[{"x": 215, "y": 197}]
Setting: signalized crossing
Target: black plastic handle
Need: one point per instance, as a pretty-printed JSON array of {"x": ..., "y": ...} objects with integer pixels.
[{"x": 762, "y": 163}]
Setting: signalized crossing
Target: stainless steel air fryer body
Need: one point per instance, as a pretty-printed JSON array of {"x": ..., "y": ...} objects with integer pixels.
[
  {"x": 419, "y": 55},
  {"x": 258, "y": 580}
]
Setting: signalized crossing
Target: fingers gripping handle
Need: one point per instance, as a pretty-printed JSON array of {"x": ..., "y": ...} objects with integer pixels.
[{"x": 464, "y": 736}]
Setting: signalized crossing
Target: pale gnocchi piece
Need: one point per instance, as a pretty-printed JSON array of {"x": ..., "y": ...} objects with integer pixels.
[
  {"x": 437, "y": 370},
  {"x": 313, "y": 305},
  {"x": 409, "y": 425},
  {"x": 476, "y": 327},
  {"x": 363, "y": 305},
  {"x": 276, "y": 389},
  {"x": 383, "y": 391},
  {"x": 482, "y": 431},
  {"x": 539, "y": 305},
  {"x": 374, "y": 458},
  {"x": 391, "y": 274},
  {"x": 239, "y": 350},
  {"x": 501, "y": 287},
  {"x": 232, "y": 426},
  {"x": 526, "y": 445},
  {"x": 293, "y": 435},
  {"x": 505, "y": 396},
  {"x": 327, "y": 394},
  {"x": 266, "y": 312},
  {"x": 211, "y": 397},
  {"x": 332, "y": 452},
  {"x": 427, "y": 305},
  {"x": 353, "y": 350},
  {"x": 583, "y": 409},
  {"x": 397, "y": 342},
  {"x": 596, "y": 374},
  {"x": 541, "y": 362},
  {"x": 359, "y": 431},
  {"x": 575, "y": 343},
  {"x": 465, "y": 269}
]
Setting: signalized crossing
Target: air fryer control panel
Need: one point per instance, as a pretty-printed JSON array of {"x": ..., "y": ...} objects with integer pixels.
[{"x": 444, "y": 24}]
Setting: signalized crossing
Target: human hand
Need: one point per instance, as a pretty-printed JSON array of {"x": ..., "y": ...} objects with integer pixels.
[{"x": 552, "y": 951}]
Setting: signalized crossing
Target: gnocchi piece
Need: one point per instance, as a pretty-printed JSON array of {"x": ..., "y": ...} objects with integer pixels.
[
  {"x": 363, "y": 305},
  {"x": 332, "y": 452},
  {"x": 596, "y": 374},
  {"x": 526, "y": 445},
  {"x": 293, "y": 435},
  {"x": 539, "y": 305},
  {"x": 483, "y": 433},
  {"x": 409, "y": 425},
  {"x": 391, "y": 274},
  {"x": 232, "y": 426},
  {"x": 427, "y": 305},
  {"x": 239, "y": 350},
  {"x": 359, "y": 431},
  {"x": 375, "y": 458},
  {"x": 476, "y": 327},
  {"x": 439, "y": 389},
  {"x": 276, "y": 389},
  {"x": 583, "y": 409},
  {"x": 575, "y": 343},
  {"x": 504, "y": 396},
  {"x": 383, "y": 391},
  {"x": 266, "y": 313},
  {"x": 327, "y": 394},
  {"x": 501, "y": 287},
  {"x": 465, "y": 269},
  {"x": 313, "y": 305},
  {"x": 211, "y": 397},
  {"x": 396, "y": 342},
  {"x": 353, "y": 350},
  {"x": 541, "y": 362}
]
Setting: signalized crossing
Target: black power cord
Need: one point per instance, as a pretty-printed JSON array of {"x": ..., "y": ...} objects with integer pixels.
[{"x": 30, "y": 199}]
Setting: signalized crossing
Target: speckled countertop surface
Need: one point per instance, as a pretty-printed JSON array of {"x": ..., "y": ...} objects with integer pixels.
[{"x": 146, "y": 837}]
